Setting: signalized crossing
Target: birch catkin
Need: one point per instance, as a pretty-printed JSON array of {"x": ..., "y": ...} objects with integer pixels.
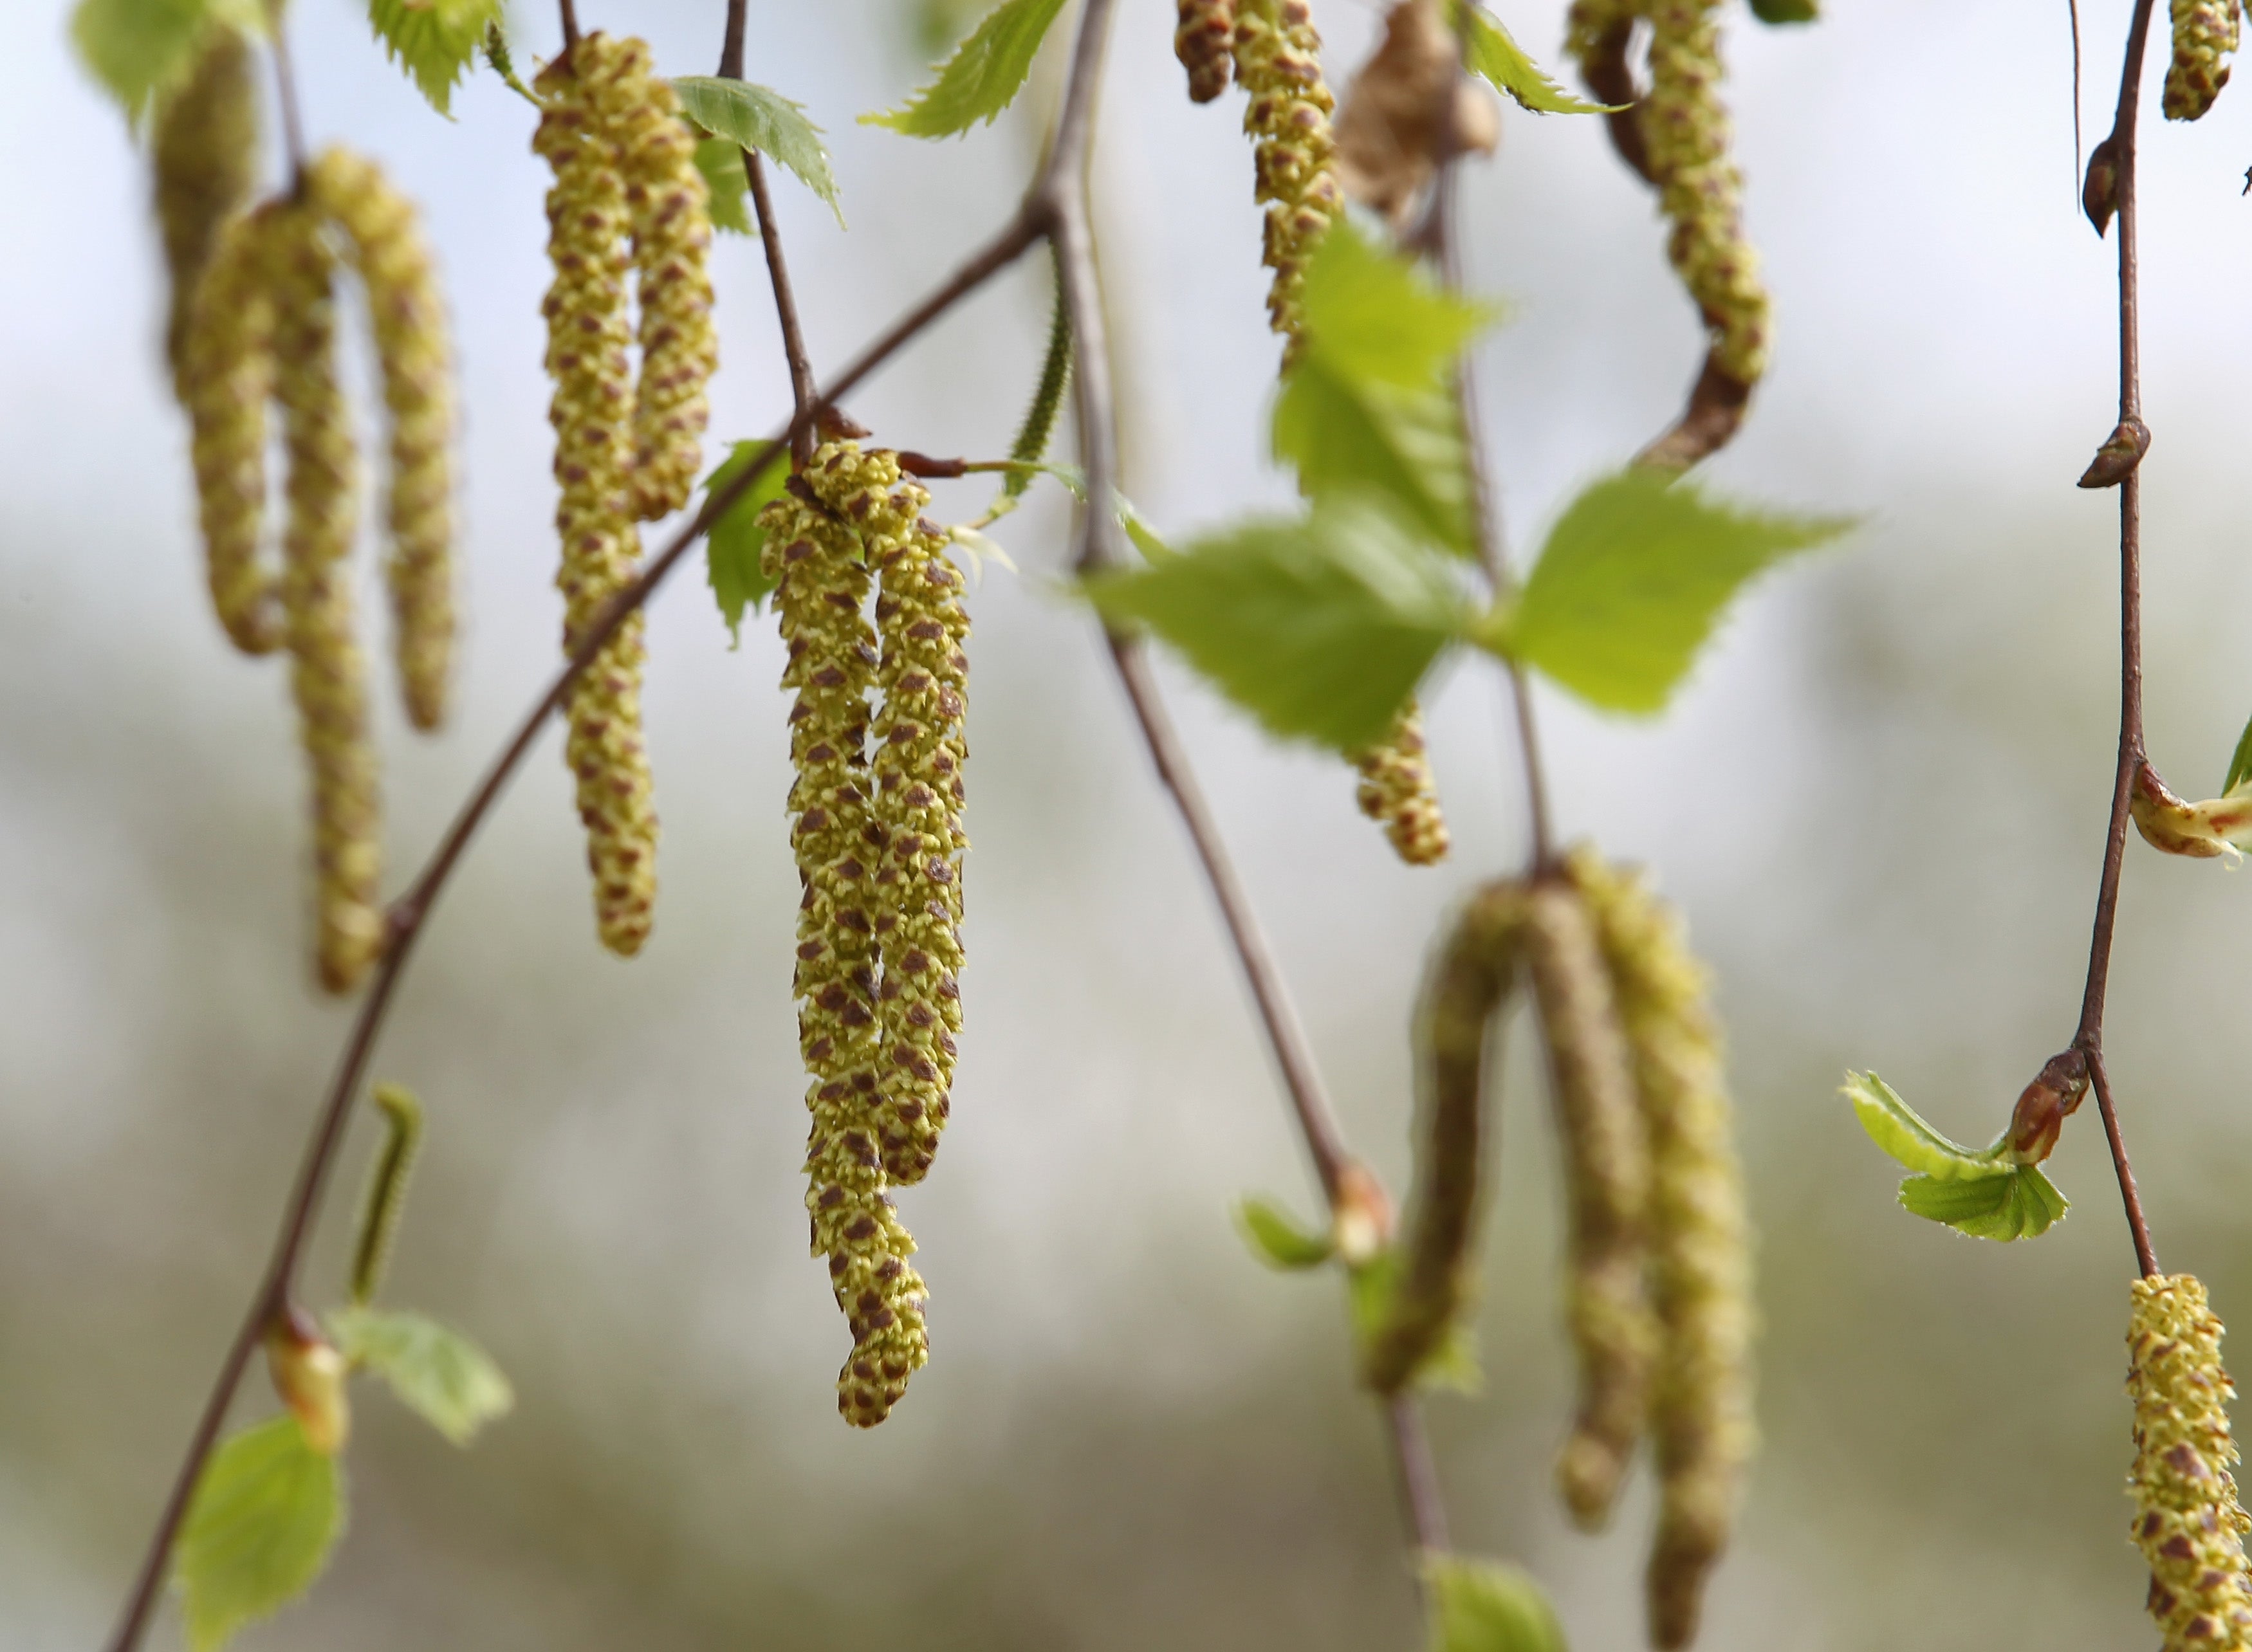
[
  {"x": 205, "y": 147},
  {"x": 1278, "y": 64},
  {"x": 2187, "y": 1520},
  {"x": 1398, "y": 791},
  {"x": 1205, "y": 43},
  {"x": 1700, "y": 1259},
  {"x": 1606, "y": 1156},
  {"x": 383, "y": 236},
  {"x": 2205, "y": 33},
  {"x": 226, "y": 379},
  {"x": 592, "y": 415}
]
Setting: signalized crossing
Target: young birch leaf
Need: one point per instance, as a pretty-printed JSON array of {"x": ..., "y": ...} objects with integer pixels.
[
  {"x": 756, "y": 117},
  {"x": 1500, "y": 60},
  {"x": 446, "y": 1379},
  {"x": 1378, "y": 318},
  {"x": 1485, "y": 1606},
  {"x": 981, "y": 79},
  {"x": 434, "y": 41},
  {"x": 266, "y": 1512},
  {"x": 720, "y": 160},
  {"x": 1277, "y": 1240},
  {"x": 1632, "y": 579},
  {"x": 2240, "y": 764},
  {"x": 733, "y": 548},
  {"x": 2023, "y": 1203},
  {"x": 1404, "y": 445},
  {"x": 138, "y": 49},
  {"x": 1903, "y": 1132},
  {"x": 1319, "y": 627}
]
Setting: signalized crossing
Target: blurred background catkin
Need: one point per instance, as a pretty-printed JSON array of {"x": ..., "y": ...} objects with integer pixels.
[{"x": 1880, "y": 805}]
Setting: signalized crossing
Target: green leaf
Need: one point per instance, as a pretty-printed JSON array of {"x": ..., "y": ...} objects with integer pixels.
[
  {"x": 720, "y": 160},
  {"x": 434, "y": 41},
  {"x": 2023, "y": 1203},
  {"x": 1377, "y": 318},
  {"x": 2239, "y": 765},
  {"x": 1485, "y": 1606},
  {"x": 266, "y": 1512},
  {"x": 759, "y": 118},
  {"x": 1786, "y": 10},
  {"x": 1500, "y": 60},
  {"x": 733, "y": 548},
  {"x": 1903, "y": 1132},
  {"x": 140, "y": 49},
  {"x": 1277, "y": 1240},
  {"x": 1320, "y": 628},
  {"x": 1632, "y": 580},
  {"x": 443, "y": 1375},
  {"x": 1405, "y": 446},
  {"x": 982, "y": 78}
]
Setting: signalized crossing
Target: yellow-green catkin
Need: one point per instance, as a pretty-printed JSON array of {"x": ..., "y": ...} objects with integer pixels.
[
  {"x": 1205, "y": 43},
  {"x": 593, "y": 414},
  {"x": 1699, "y": 1240},
  {"x": 2205, "y": 33},
  {"x": 668, "y": 210},
  {"x": 1399, "y": 791},
  {"x": 327, "y": 675},
  {"x": 2187, "y": 1520},
  {"x": 819, "y": 558},
  {"x": 382, "y": 235},
  {"x": 1278, "y": 64},
  {"x": 1607, "y": 1170},
  {"x": 227, "y": 380},
  {"x": 204, "y": 151}
]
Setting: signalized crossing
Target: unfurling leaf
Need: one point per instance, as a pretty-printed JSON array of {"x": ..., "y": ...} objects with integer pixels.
[
  {"x": 1485, "y": 1606},
  {"x": 720, "y": 160},
  {"x": 2221, "y": 826},
  {"x": 756, "y": 117},
  {"x": 1632, "y": 579},
  {"x": 140, "y": 49},
  {"x": 1277, "y": 1240},
  {"x": 1320, "y": 628},
  {"x": 1903, "y": 1132},
  {"x": 266, "y": 1511},
  {"x": 450, "y": 1382},
  {"x": 2023, "y": 1203},
  {"x": 2240, "y": 763},
  {"x": 982, "y": 78},
  {"x": 1501, "y": 61},
  {"x": 732, "y": 548},
  {"x": 434, "y": 41}
]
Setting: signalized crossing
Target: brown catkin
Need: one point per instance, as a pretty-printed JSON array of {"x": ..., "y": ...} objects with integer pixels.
[
  {"x": 204, "y": 150},
  {"x": 592, "y": 415},
  {"x": 227, "y": 380},
  {"x": 819, "y": 562},
  {"x": 2187, "y": 1520},
  {"x": 327, "y": 675},
  {"x": 383, "y": 236},
  {"x": 1398, "y": 790},
  {"x": 1607, "y": 1172},
  {"x": 1205, "y": 43},
  {"x": 2204, "y": 32},
  {"x": 1699, "y": 1240}
]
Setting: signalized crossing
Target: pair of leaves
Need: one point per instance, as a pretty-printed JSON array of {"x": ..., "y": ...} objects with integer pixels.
[
  {"x": 1490, "y": 52},
  {"x": 140, "y": 49},
  {"x": 981, "y": 79},
  {"x": 1485, "y": 1606},
  {"x": 434, "y": 41},
  {"x": 756, "y": 117},
  {"x": 1978, "y": 1191}
]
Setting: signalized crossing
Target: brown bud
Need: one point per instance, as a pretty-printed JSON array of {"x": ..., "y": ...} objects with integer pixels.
[
  {"x": 308, "y": 1374},
  {"x": 2120, "y": 452},
  {"x": 2099, "y": 195},
  {"x": 2045, "y": 1103}
]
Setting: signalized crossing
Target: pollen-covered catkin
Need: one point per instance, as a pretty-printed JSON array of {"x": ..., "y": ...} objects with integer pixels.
[
  {"x": 1278, "y": 64},
  {"x": 204, "y": 149},
  {"x": 1700, "y": 1242},
  {"x": 1205, "y": 43},
  {"x": 1398, "y": 791},
  {"x": 1606, "y": 1158},
  {"x": 382, "y": 237},
  {"x": 592, "y": 415},
  {"x": 822, "y": 578},
  {"x": 327, "y": 674},
  {"x": 226, "y": 379},
  {"x": 2187, "y": 1520},
  {"x": 2205, "y": 33}
]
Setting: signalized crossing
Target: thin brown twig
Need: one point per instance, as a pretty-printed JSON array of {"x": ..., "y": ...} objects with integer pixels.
[
  {"x": 569, "y": 12},
  {"x": 285, "y": 94}
]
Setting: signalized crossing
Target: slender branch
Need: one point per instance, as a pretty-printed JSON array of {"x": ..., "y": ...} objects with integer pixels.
[
  {"x": 2131, "y": 1198},
  {"x": 1418, "y": 1478},
  {"x": 285, "y": 90},
  {"x": 569, "y": 12}
]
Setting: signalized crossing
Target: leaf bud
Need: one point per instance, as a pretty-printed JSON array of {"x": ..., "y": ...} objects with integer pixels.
[{"x": 308, "y": 1374}]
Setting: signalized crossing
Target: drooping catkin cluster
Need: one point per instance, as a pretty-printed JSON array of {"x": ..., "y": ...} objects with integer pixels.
[
  {"x": 1278, "y": 64},
  {"x": 1205, "y": 43},
  {"x": 1698, "y": 1239},
  {"x": 2187, "y": 1520},
  {"x": 204, "y": 151},
  {"x": 1398, "y": 790},
  {"x": 2205, "y": 33},
  {"x": 226, "y": 379}
]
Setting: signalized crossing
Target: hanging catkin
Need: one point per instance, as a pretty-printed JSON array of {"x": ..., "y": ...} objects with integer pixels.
[
  {"x": 2187, "y": 1520},
  {"x": 1700, "y": 1258},
  {"x": 226, "y": 379},
  {"x": 2205, "y": 33},
  {"x": 326, "y": 673},
  {"x": 205, "y": 147},
  {"x": 1606, "y": 1158},
  {"x": 1205, "y": 43},
  {"x": 1470, "y": 980},
  {"x": 592, "y": 415},
  {"x": 1278, "y": 64},
  {"x": 1398, "y": 791},
  {"x": 816, "y": 555},
  {"x": 383, "y": 236}
]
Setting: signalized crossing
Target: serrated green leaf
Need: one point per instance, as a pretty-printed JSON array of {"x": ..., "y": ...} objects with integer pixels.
[
  {"x": 982, "y": 78},
  {"x": 1320, "y": 628},
  {"x": 434, "y": 41},
  {"x": 1633, "y": 579},
  {"x": 757, "y": 117},
  {"x": 140, "y": 49},
  {"x": 1786, "y": 10},
  {"x": 720, "y": 160},
  {"x": 1904, "y": 1134},
  {"x": 1486, "y": 1606},
  {"x": 1405, "y": 446},
  {"x": 733, "y": 548},
  {"x": 2022, "y": 1203},
  {"x": 1377, "y": 318},
  {"x": 1491, "y": 53},
  {"x": 2240, "y": 764},
  {"x": 1277, "y": 1240},
  {"x": 440, "y": 1375},
  {"x": 266, "y": 1512}
]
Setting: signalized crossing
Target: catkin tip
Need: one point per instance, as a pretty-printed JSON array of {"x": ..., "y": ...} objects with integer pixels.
[
  {"x": 2205, "y": 34},
  {"x": 1399, "y": 791}
]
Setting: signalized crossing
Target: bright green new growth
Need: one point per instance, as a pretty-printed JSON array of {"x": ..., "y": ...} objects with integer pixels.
[
  {"x": 1901, "y": 1132},
  {"x": 757, "y": 117},
  {"x": 434, "y": 41},
  {"x": 2240, "y": 762},
  {"x": 735, "y": 547},
  {"x": 1979, "y": 1192},
  {"x": 1490, "y": 51},
  {"x": 981, "y": 79},
  {"x": 386, "y": 1189},
  {"x": 267, "y": 1510},
  {"x": 1487, "y": 1605},
  {"x": 721, "y": 165},
  {"x": 1277, "y": 1240},
  {"x": 140, "y": 49},
  {"x": 440, "y": 1375},
  {"x": 1033, "y": 435}
]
